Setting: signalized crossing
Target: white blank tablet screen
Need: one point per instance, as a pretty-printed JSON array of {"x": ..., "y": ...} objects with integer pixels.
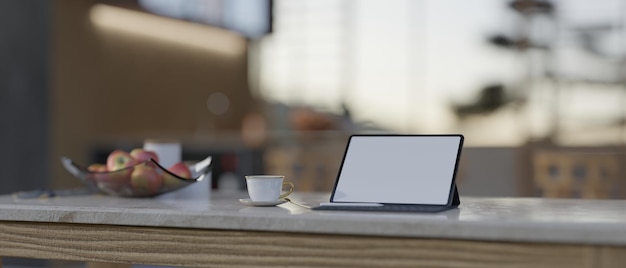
[{"x": 398, "y": 169}]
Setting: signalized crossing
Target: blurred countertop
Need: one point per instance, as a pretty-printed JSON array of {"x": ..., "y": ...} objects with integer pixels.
[{"x": 569, "y": 221}]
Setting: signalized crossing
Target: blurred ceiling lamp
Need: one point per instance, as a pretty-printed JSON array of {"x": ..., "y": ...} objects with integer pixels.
[{"x": 168, "y": 30}]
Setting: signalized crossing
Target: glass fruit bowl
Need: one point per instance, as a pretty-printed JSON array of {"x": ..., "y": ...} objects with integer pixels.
[{"x": 144, "y": 179}]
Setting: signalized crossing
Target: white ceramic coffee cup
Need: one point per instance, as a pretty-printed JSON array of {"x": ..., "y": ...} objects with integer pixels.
[{"x": 267, "y": 188}]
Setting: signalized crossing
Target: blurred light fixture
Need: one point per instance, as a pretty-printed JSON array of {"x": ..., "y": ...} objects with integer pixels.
[{"x": 168, "y": 30}]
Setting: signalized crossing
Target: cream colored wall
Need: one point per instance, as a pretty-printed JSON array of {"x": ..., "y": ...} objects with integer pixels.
[{"x": 108, "y": 85}]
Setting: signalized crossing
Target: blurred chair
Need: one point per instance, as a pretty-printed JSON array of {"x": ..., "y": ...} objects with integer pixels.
[{"x": 572, "y": 173}]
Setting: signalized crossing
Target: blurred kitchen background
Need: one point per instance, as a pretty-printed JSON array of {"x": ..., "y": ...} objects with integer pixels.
[{"x": 537, "y": 87}]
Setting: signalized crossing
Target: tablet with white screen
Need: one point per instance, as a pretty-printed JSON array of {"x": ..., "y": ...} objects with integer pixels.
[{"x": 412, "y": 173}]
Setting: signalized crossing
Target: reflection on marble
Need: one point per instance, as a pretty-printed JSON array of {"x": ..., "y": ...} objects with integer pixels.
[
  {"x": 498, "y": 219},
  {"x": 264, "y": 210},
  {"x": 536, "y": 210}
]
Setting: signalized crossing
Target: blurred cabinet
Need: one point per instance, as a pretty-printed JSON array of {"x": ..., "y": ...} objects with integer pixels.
[{"x": 589, "y": 173}]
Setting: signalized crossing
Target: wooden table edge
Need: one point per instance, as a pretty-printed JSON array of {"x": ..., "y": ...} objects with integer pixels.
[{"x": 105, "y": 245}]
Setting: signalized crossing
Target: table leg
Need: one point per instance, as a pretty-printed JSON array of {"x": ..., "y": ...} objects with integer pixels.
[{"x": 106, "y": 265}]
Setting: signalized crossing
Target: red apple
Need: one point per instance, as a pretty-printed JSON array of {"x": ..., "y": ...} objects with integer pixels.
[
  {"x": 142, "y": 155},
  {"x": 181, "y": 170},
  {"x": 145, "y": 180},
  {"x": 119, "y": 159}
]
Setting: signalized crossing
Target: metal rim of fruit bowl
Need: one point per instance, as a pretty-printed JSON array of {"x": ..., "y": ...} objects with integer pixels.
[{"x": 198, "y": 171}]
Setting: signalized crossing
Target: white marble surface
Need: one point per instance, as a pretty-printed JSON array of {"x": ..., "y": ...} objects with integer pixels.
[{"x": 494, "y": 219}]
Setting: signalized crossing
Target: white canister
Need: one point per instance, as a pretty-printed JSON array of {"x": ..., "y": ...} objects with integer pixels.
[{"x": 168, "y": 151}]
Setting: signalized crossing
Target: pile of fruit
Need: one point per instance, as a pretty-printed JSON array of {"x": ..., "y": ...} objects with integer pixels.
[{"x": 134, "y": 174}]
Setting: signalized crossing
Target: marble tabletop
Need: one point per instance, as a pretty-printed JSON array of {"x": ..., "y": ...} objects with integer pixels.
[{"x": 571, "y": 221}]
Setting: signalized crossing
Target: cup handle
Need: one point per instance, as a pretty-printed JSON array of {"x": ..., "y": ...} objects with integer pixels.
[{"x": 288, "y": 191}]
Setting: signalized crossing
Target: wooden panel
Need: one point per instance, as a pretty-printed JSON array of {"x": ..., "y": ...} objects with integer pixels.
[
  {"x": 611, "y": 257},
  {"x": 106, "y": 265},
  {"x": 188, "y": 247}
]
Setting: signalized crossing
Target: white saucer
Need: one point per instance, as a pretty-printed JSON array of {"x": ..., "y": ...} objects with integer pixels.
[{"x": 248, "y": 202}]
